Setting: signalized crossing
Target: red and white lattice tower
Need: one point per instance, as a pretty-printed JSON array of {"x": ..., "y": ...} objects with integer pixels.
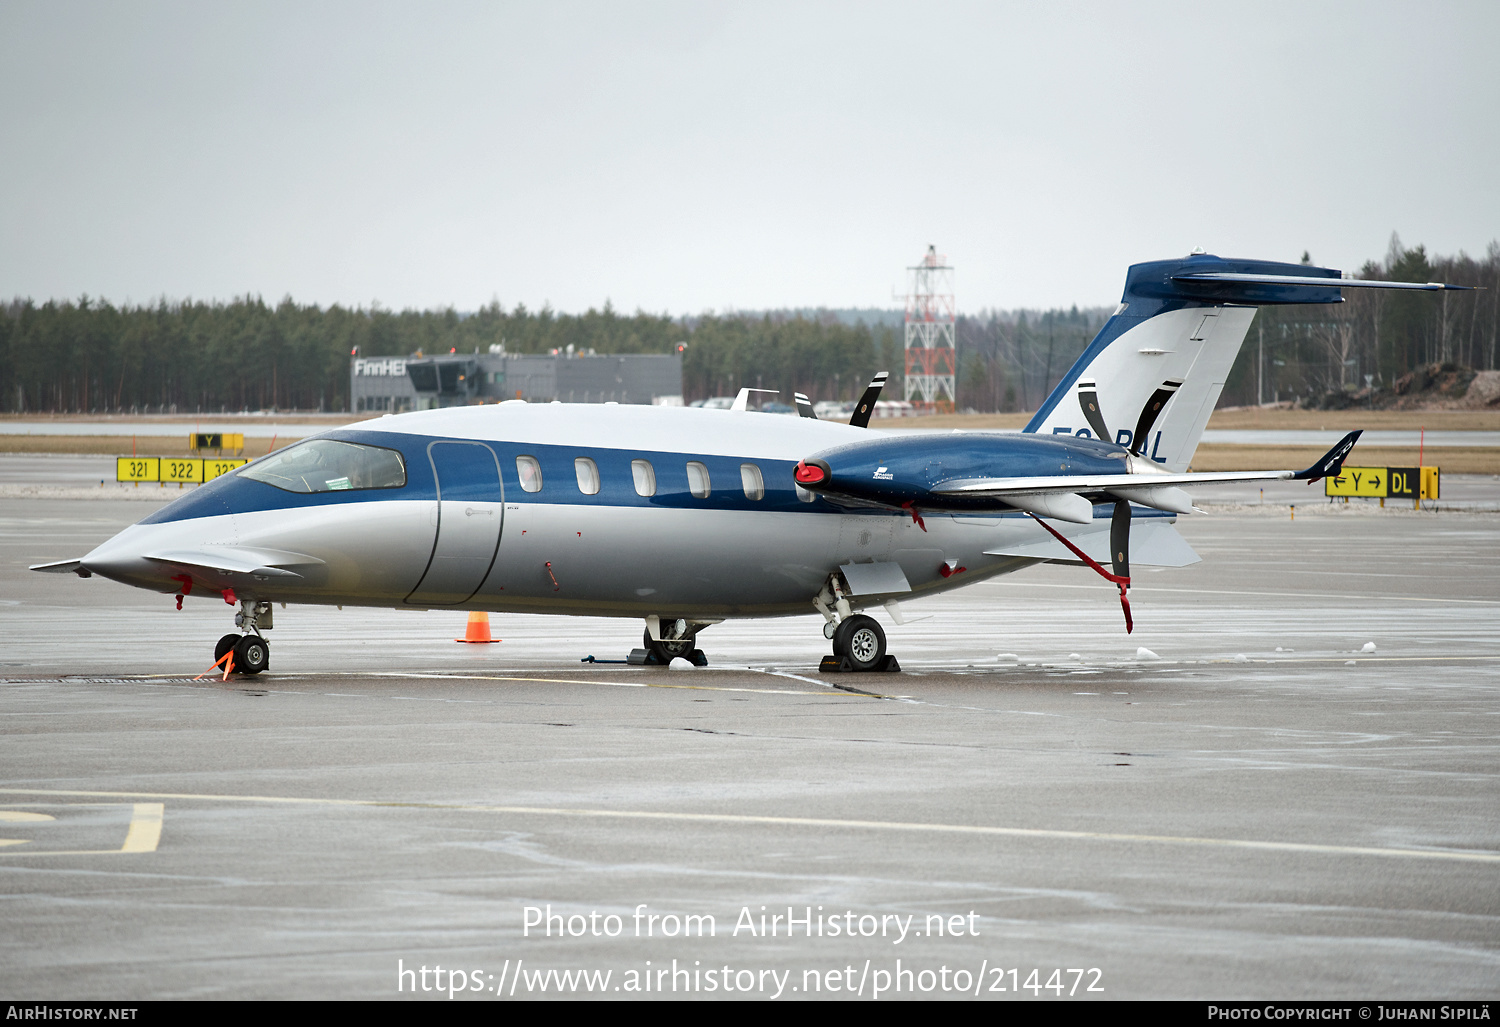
[{"x": 930, "y": 363}]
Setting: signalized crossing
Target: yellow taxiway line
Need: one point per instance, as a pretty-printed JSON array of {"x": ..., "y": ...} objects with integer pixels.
[{"x": 144, "y": 834}]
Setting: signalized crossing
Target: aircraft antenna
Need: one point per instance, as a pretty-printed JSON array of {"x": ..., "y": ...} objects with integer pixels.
[{"x": 930, "y": 318}]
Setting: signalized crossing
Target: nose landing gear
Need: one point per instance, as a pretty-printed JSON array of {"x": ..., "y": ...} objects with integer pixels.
[{"x": 252, "y": 653}]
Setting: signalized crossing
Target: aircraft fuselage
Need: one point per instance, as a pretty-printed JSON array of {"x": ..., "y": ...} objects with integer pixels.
[{"x": 733, "y": 538}]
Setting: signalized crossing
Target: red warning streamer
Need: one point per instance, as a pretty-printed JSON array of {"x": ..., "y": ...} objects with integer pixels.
[{"x": 1122, "y": 580}]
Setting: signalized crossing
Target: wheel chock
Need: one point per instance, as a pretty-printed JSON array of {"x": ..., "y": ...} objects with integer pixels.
[
  {"x": 842, "y": 665},
  {"x": 647, "y": 658}
]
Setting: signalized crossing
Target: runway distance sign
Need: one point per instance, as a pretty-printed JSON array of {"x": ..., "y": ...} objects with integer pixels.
[
  {"x": 137, "y": 468},
  {"x": 181, "y": 470},
  {"x": 1385, "y": 483},
  {"x": 215, "y": 466}
]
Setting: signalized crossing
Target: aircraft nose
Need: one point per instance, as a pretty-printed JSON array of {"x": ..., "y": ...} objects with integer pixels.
[{"x": 122, "y": 558}]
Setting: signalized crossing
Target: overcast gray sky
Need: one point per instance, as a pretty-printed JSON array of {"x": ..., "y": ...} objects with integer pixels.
[{"x": 681, "y": 157}]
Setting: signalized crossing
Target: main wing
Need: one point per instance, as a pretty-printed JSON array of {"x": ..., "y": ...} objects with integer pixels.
[{"x": 1157, "y": 490}]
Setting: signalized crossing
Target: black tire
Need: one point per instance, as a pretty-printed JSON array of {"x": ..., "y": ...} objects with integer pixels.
[
  {"x": 225, "y": 646},
  {"x": 861, "y": 641},
  {"x": 252, "y": 654},
  {"x": 666, "y": 651}
]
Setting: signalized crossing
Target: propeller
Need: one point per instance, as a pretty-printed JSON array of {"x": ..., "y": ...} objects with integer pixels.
[
  {"x": 1088, "y": 399},
  {"x": 1119, "y": 522},
  {"x": 804, "y": 406},
  {"x": 1149, "y": 413},
  {"x": 866, "y": 405},
  {"x": 1119, "y": 555}
]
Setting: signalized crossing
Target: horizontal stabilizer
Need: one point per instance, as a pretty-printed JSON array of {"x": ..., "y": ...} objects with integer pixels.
[
  {"x": 1324, "y": 283},
  {"x": 63, "y": 567},
  {"x": 1152, "y": 543}
]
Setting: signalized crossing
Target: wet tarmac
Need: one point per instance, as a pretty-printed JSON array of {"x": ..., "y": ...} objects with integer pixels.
[{"x": 1290, "y": 793}]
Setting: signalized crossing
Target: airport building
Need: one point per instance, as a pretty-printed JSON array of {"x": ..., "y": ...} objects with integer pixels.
[{"x": 396, "y": 384}]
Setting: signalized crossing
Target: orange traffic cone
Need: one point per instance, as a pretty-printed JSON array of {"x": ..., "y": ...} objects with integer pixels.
[{"x": 479, "y": 628}]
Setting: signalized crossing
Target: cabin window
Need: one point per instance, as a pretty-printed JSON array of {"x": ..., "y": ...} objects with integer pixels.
[
  {"x": 645, "y": 477},
  {"x": 803, "y": 496},
  {"x": 328, "y": 465},
  {"x": 588, "y": 476},
  {"x": 530, "y": 473},
  {"x": 697, "y": 479},
  {"x": 751, "y": 481}
]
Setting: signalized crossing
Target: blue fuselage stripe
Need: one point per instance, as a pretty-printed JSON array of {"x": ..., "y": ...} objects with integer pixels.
[{"x": 234, "y": 493}]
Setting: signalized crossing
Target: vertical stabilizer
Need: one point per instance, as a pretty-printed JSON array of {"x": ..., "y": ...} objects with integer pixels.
[{"x": 1151, "y": 378}]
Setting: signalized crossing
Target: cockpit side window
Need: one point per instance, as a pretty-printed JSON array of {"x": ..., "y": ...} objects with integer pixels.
[{"x": 329, "y": 465}]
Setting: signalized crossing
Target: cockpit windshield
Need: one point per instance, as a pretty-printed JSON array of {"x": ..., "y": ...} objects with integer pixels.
[{"x": 328, "y": 465}]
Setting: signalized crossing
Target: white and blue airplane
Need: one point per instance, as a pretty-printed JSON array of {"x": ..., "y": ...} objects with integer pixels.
[{"x": 684, "y": 517}]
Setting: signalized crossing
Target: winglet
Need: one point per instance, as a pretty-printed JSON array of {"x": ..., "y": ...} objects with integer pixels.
[
  {"x": 866, "y": 405},
  {"x": 1331, "y": 464}
]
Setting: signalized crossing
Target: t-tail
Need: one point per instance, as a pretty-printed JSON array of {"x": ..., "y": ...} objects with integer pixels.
[{"x": 1151, "y": 378}]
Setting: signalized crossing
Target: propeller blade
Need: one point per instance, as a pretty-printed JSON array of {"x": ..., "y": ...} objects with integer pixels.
[
  {"x": 1149, "y": 414},
  {"x": 1088, "y": 399},
  {"x": 804, "y": 406},
  {"x": 1119, "y": 553},
  {"x": 1119, "y": 539},
  {"x": 866, "y": 405}
]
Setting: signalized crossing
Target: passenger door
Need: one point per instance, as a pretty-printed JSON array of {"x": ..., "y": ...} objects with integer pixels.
[{"x": 470, "y": 512}]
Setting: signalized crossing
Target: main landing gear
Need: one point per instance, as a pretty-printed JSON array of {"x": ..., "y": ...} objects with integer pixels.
[
  {"x": 678, "y": 641},
  {"x": 858, "y": 640},
  {"x": 252, "y": 653}
]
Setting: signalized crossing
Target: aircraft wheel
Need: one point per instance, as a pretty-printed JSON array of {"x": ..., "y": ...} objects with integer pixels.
[
  {"x": 667, "y": 651},
  {"x": 861, "y": 640},
  {"x": 252, "y": 654},
  {"x": 227, "y": 643}
]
